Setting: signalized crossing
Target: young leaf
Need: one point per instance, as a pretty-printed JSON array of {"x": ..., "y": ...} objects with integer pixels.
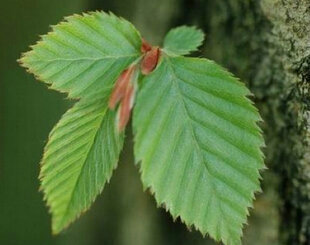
[
  {"x": 198, "y": 144},
  {"x": 81, "y": 153},
  {"x": 183, "y": 40},
  {"x": 82, "y": 56}
]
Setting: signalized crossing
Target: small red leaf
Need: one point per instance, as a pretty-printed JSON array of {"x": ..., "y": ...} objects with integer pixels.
[
  {"x": 150, "y": 61},
  {"x": 145, "y": 46},
  {"x": 120, "y": 87},
  {"x": 125, "y": 107}
]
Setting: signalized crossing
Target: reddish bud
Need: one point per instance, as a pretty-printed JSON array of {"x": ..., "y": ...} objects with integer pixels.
[
  {"x": 150, "y": 61},
  {"x": 120, "y": 87},
  {"x": 125, "y": 107},
  {"x": 145, "y": 47}
]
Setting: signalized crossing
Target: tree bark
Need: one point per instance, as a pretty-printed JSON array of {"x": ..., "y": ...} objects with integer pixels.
[{"x": 288, "y": 70}]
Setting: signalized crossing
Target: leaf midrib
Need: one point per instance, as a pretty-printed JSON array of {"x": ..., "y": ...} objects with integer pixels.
[{"x": 88, "y": 58}]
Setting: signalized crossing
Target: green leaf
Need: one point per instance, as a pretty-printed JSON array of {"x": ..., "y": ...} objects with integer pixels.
[
  {"x": 183, "y": 40},
  {"x": 84, "y": 54},
  {"x": 198, "y": 144},
  {"x": 83, "y": 57},
  {"x": 79, "y": 158}
]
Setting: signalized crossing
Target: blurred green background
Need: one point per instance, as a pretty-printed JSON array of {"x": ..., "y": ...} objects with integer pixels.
[{"x": 123, "y": 214}]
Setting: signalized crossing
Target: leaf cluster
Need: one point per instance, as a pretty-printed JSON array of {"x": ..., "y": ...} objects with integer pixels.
[{"x": 196, "y": 138}]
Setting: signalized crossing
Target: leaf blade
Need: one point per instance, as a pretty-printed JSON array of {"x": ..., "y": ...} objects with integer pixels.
[
  {"x": 183, "y": 40},
  {"x": 79, "y": 158},
  {"x": 194, "y": 153},
  {"x": 81, "y": 56},
  {"x": 84, "y": 53}
]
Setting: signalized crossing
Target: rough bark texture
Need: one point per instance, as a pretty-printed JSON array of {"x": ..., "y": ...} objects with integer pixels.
[{"x": 289, "y": 73}]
